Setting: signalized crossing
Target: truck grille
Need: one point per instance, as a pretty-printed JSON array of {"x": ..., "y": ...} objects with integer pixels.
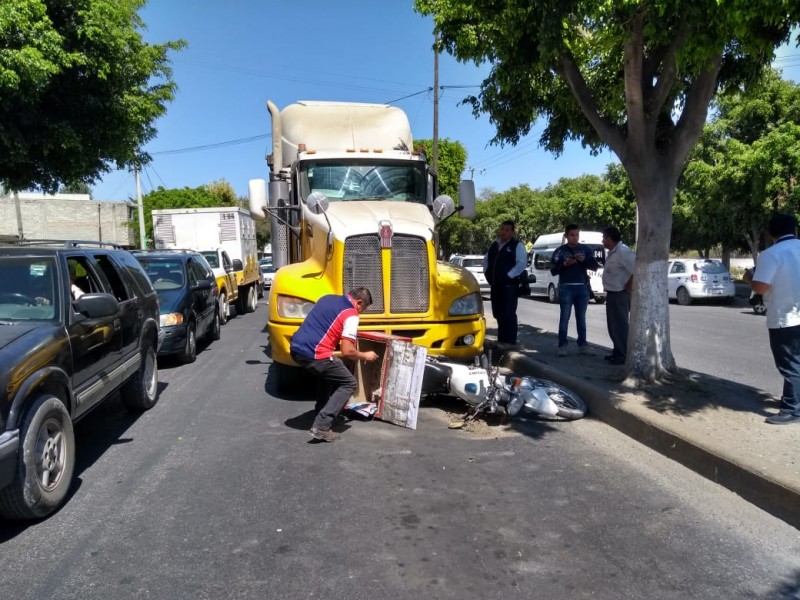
[{"x": 410, "y": 276}]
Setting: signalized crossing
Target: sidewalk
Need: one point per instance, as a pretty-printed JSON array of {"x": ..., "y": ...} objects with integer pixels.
[{"x": 709, "y": 425}]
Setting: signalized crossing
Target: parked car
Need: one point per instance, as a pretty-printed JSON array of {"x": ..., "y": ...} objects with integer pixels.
[
  {"x": 188, "y": 297},
  {"x": 474, "y": 264},
  {"x": 79, "y": 322},
  {"x": 690, "y": 279}
]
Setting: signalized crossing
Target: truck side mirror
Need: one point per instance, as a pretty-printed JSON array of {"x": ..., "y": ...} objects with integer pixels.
[
  {"x": 257, "y": 192},
  {"x": 443, "y": 207},
  {"x": 237, "y": 265},
  {"x": 466, "y": 199},
  {"x": 317, "y": 203}
]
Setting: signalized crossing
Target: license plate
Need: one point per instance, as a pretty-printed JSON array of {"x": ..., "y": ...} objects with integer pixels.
[{"x": 717, "y": 292}]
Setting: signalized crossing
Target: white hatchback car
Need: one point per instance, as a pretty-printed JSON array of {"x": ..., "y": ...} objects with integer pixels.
[
  {"x": 692, "y": 278},
  {"x": 474, "y": 264},
  {"x": 267, "y": 270}
]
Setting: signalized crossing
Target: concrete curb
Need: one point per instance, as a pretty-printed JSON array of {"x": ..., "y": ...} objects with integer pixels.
[{"x": 769, "y": 494}]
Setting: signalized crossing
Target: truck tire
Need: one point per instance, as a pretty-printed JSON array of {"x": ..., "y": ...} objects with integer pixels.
[
  {"x": 215, "y": 331},
  {"x": 45, "y": 463},
  {"x": 284, "y": 378},
  {"x": 224, "y": 308},
  {"x": 140, "y": 392},
  {"x": 247, "y": 300}
]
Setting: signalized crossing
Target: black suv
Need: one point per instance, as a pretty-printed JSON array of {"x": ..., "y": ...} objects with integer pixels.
[
  {"x": 188, "y": 297},
  {"x": 78, "y": 322}
]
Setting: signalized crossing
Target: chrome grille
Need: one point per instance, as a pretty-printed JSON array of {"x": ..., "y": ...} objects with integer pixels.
[
  {"x": 362, "y": 268},
  {"x": 410, "y": 283}
]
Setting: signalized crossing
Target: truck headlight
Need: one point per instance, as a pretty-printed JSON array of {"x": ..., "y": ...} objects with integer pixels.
[
  {"x": 169, "y": 319},
  {"x": 466, "y": 305},
  {"x": 290, "y": 307}
]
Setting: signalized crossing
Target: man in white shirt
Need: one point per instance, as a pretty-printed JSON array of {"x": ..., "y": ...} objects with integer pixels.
[
  {"x": 617, "y": 277},
  {"x": 777, "y": 279}
]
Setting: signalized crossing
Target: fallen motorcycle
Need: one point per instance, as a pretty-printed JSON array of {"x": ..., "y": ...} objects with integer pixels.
[{"x": 487, "y": 391}]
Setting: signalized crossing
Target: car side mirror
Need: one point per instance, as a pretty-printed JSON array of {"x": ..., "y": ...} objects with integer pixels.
[
  {"x": 96, "y": 306},
  {"x": 202, "y": 284},
  {"x": 237, "y": 265}
]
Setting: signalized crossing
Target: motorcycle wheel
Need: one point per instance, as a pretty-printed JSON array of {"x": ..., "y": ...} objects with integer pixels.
[{"x": 570, "y": 406}]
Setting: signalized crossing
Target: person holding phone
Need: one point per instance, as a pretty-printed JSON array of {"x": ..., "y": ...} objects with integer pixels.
[{"x": 570, "y": 263}]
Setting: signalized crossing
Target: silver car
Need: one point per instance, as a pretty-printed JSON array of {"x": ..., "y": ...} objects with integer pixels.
[
  {"x": 474, "y": 264},
  {"x": 689, "y": 279}
]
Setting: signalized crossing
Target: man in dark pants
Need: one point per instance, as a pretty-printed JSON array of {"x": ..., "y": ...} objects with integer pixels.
[
  {"x": 503, "y": 264},
  {"x": 776, "y": 276},
  {"x": 617, "y": 277},
  {"x": 333, "y": 319}
]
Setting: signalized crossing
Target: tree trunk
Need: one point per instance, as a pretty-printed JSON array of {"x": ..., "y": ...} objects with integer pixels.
[{"x": 649, "y": 349}]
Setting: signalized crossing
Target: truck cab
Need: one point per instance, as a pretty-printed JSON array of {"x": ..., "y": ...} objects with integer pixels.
[{"x": 352, "y": 205}]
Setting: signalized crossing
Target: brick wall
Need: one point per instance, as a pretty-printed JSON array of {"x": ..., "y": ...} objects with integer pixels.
[{"x": 67, "y": 217}]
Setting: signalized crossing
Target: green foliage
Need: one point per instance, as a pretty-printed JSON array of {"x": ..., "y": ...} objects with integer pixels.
[
  {"x": 205, "y": 196},
  {"x": 80, "y": 90},
  {"x": 744, "y": 168},
  {"x": 452, "y": 162},
  {"x": 224, "y": 192}
]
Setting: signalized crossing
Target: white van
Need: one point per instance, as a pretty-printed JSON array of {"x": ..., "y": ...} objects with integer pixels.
[{"x": 540, "y": 260}]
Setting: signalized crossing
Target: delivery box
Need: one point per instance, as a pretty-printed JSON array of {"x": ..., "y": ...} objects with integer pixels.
[{"x": 389, "y": 388}]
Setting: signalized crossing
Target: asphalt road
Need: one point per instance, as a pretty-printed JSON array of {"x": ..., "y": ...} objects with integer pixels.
[
  {"x": 726, "y": 341},
  {"x": 219, "y": 492}
]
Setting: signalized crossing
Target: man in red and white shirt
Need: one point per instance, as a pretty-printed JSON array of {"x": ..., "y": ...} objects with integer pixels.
[{"x": 333, "y": 320}]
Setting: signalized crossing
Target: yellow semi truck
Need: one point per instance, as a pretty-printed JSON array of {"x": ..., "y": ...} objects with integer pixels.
[{"x": 351, "y": 204}]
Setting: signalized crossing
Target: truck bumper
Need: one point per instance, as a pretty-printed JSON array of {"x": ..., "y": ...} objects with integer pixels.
[
  {"x": 9, "y": 450},
  {"x": 446, "y": 339}
]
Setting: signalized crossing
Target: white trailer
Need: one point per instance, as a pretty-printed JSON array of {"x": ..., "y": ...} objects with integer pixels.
[{"x": 217, "y": 231}]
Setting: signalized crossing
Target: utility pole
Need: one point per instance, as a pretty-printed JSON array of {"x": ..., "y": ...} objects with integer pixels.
[
  {"x": 436, "y": 103},
  {"x": 18, "y": 210},
  {"x": 140, "y": 207}
]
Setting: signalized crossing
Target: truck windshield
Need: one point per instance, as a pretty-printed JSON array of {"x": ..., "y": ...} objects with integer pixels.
[{"x": 364, "y": 180}]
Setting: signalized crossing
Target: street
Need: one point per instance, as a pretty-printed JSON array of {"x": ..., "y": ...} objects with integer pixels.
[
  {"x": 219, "y": 492},
  {"x": 726, "y": 341}
]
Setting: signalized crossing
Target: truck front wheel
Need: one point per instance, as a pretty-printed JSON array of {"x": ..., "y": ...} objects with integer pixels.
[{"x": 224, "y": 308}]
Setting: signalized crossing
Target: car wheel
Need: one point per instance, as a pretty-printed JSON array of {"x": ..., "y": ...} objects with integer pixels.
[
  {"x": 215, "y": 331},
  {"x": 45, "y": 462},
  {"x": 224, "y": 309},
  {"x": 189, "y": 353},
  {"x": 684, "y": 299},
  {"x": 552, "y": 294},
  {"x": 759, "y": 308},
  {"x": 140, "y": 392}
]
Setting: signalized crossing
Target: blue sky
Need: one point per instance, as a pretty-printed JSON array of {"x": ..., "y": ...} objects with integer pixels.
[{"x": 242, "y": 52}]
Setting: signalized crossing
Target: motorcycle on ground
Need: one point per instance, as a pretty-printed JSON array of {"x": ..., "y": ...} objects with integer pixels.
[{"x": 487, "y": 391}]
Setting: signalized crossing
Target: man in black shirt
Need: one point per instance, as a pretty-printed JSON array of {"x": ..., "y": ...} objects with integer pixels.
[{"x": 503, "y": 264}]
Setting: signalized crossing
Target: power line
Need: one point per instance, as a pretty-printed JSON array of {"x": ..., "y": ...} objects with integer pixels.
[{"x": 246, "y": 140}]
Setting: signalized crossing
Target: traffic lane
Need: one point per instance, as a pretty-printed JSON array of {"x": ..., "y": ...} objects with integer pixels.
[
  {"x": 725, "y": 341},
  {"x": 216, "y": 493}
]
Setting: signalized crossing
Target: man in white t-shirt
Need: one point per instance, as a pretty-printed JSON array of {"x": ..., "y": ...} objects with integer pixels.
[{"x": 777, "y": 278}]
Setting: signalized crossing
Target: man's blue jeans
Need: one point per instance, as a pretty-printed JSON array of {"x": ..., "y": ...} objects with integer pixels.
[
  {"x": 572, "y": 295},
  {"x": 785, "y": 345}
]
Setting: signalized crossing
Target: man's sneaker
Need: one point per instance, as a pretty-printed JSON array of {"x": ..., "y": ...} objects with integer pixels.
[
  {"x": 562, "y": 350},
  {"x": 585, "y": 350},
  {"x": 784, "y": 418},
  {"x": 325, "y": 435}
]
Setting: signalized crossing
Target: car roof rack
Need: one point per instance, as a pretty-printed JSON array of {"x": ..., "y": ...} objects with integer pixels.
[
  {"x": 168, "y": 250},
  {"x": 67, "y": 243}
]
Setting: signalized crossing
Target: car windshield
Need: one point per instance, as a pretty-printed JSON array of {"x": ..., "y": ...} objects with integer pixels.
[
  {"x": 473, "y": 262},
  {"x": 710, "y": 267},
  {"x": 212, "y": 259},
  {"x": 166, "y": 274},
  {"x": 29, "y": 291},
  {"x": 268, "y": 268},
  {"x": 356, "y": 179}
]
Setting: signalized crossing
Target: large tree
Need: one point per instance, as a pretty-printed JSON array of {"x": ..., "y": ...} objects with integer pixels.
[
  {"x": 80, "y": 90},
  {"x": 635, "y": 76}
]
